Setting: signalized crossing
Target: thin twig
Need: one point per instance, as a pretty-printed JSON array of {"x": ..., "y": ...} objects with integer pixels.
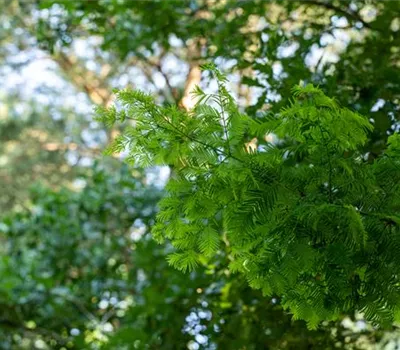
[{"x": 351, "y": 15}]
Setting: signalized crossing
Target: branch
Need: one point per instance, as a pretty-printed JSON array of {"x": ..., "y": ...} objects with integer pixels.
[
  {"x": 194, "y": 75},
  {"x": 221, "y": 104},
  {"x": 350, "y": 15},
  {"x": 193, "y": 79},
  {"x": 84, "y": 80},
  {"x": 170, "y": 87}
]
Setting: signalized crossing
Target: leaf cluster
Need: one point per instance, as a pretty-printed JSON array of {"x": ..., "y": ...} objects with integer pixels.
[{"x": 306, "y": 218}]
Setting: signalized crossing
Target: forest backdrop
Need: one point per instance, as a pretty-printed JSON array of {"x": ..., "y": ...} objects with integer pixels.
[{"x": 80, "y": 269}]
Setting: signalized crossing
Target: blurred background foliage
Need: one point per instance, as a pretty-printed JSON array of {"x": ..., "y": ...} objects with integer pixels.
[{"x": 78, "y": 267}]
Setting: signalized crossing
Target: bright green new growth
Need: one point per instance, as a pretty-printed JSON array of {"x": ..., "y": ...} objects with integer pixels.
[{"x": 306, "y": 219}]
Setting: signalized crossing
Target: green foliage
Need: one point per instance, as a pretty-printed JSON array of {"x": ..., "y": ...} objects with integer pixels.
[
  {"x": 348, "y": 48},
  {"x": 68, "y": 253},
  {"x": 79, "y": 269},
  {"x": 307, "y": 218}
]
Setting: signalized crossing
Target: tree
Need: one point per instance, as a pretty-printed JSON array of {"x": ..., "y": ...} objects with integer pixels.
[
  {"x": 44, "y": 138},
  {"x": 308, "y": 219}
]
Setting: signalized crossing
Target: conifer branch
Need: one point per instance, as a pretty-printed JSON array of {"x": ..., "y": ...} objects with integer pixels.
[{"x": 278, "y": 239}]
